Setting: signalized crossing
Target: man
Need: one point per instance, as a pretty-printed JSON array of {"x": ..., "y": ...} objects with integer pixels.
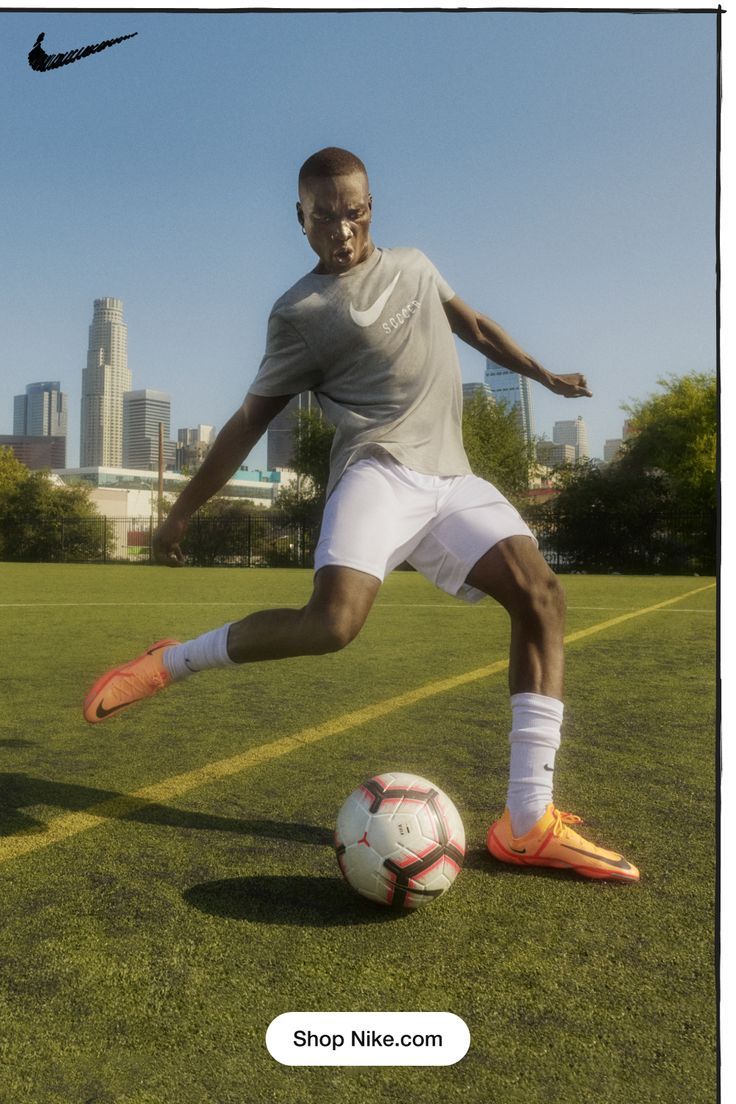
[{"x": 370, "y": 331}]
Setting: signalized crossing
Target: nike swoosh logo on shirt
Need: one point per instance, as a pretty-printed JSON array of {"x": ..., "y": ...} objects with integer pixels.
[
  {"x": 372, "y": 314},
  {"x": 39, "y": 60}
]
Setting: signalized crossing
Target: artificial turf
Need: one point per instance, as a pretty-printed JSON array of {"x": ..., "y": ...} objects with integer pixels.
[{"x": 143, "y": 958}]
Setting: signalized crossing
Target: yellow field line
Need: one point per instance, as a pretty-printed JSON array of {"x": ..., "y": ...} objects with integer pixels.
[{"x": 71, "y": 824}]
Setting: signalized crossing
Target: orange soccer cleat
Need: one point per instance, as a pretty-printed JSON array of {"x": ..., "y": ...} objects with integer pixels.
[
  {"x": 552, "y": 842},
  {"x": 131, "y": 682}
]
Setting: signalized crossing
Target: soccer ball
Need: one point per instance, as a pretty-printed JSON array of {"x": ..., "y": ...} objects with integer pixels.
[{"x": 399, "y": 840}]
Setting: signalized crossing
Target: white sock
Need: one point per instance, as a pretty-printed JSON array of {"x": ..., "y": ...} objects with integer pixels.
[
  {"x": 534, "y": 739},
  {"x": 201, "y": 654}
]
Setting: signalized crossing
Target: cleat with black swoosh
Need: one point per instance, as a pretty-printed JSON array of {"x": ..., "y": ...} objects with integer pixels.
[
  {"x": 552, "y": 842},
  {"x": 130, "y": 682}
]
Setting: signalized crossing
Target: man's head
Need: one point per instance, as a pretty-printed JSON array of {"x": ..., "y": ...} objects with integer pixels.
[{"x": 334, "y": 209}]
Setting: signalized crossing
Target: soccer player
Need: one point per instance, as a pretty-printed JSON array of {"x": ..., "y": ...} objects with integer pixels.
[{"x": 370, "y": 331}]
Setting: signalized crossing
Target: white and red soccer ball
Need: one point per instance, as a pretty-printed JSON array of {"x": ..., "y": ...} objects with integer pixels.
[{"x": 399, "y": 840}]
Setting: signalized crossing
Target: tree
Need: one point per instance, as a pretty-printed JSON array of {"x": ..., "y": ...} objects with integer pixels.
[
  {"x": 675, "y": 433},
  {"x": 313, "y": 437},
  {"x": 12, "y": 474},
  {"x": 496, "y": 445},
  {"x": 655, "y": 508},
  {"x": 40, "y": 521}
]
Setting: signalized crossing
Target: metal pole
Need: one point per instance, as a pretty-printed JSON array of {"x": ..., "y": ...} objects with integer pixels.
[{"x": 160, "y": 471}]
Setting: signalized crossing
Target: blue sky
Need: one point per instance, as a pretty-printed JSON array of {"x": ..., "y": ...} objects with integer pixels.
[{"x": 558, "y": 168}]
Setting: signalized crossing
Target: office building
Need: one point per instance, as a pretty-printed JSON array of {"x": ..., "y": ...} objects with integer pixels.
[
  {"x": 552, "y": 455},
  {"x": 612, "y": 449},
  {"x": 192, "y": 445},
  {"x": 281, "y": 436},
  {"x": 470, "y": 390},
  {"x": 37, "y": 453},
  {"x": 515, "y": 392},
  {"x": 143, "y": 411},
  {"x": 573, "y": 433},
  {"x": 104, "y": 382},
  {"x": 41, "y": 412}
]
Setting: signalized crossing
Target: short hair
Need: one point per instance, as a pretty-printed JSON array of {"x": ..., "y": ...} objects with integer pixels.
[{"x": 331, "y": 161}]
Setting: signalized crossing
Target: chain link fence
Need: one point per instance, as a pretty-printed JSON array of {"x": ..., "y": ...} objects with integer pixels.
[{"x": 671, "y": 544}]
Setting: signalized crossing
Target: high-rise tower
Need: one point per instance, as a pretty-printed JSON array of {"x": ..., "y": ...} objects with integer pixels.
[
  {"x": 104, "y": 382},
  {"x": 41, "y": 412},
  {"x": 575, "y": 434},
  {"x": 515, "y": 391},
  {"x": 282, "y": 431},
  {"x": 142, "y": 413}
]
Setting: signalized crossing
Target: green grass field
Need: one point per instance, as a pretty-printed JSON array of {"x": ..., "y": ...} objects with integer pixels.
[{"x": 148, "y": 942}]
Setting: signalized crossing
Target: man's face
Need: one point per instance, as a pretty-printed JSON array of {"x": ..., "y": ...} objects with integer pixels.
[{"x": 335, "y": 213}]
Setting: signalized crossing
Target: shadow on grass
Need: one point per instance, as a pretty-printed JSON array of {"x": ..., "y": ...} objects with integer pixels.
[
  {"x": 21, "y": 791},
  {"x": 307, "y": 902}
]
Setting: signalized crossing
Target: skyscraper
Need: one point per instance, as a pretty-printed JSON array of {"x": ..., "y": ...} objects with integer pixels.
[
  {"x": 40, "y": 412},
  {"x": 515, "y": 391},
  {"x": 142, "y": 412},
  {"x": 470, "y": 390},
  {"x": 104, "y": 382},
  {"x": 281, "y": 438},
  {"x": 192, "y": 445},
  {"x": 575, "y": 434}
]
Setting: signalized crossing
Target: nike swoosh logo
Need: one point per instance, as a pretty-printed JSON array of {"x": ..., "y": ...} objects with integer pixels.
[
  {"x": 622, "y": 864},
  {"x": 372, "y": 314},
  {"x": 517, "y": 851},
  {"x": 102, "y": 712},
  {"x": 39, "y": 60},
  {"x": 548, "y": 768}
]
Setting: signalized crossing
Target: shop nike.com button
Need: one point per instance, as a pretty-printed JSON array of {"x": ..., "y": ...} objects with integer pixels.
[{"x": 367, "y": 1038}]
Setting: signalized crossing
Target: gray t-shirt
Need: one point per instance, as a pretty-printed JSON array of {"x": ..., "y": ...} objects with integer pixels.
[{"x": 375, "y": 346}]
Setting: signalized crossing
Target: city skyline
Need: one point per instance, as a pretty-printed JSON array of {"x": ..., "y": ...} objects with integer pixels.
[{"x": 567, "y": 189}]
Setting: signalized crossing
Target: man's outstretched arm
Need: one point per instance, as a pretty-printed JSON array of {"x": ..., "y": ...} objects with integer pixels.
[
  {"x": 232, "y": 444},
  {"x": 488, "y": 338}
]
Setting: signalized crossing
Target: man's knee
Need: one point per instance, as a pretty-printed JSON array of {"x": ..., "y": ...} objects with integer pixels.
[
  {"x": 516, "y": 574},
  {"x": 544, "y": 595},
  {"x": 338, "y": 608},
  {"x": 332, "y": 628}
]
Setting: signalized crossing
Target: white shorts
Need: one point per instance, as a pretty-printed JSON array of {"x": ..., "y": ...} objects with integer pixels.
[{"x": 382, "y": 513}]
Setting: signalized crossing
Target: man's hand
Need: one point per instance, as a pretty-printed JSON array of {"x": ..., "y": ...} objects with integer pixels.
[
  {"x": 166, "y": 540},
  {"x": 573, "y": 386}
]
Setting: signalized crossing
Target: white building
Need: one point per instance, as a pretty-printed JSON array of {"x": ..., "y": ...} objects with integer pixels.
[
  {"x": 575, "y": 434},
  {"x": 192, "y": 445},
  {"x": 132, "y": 492},
  {"x": 104, "y": 382}
]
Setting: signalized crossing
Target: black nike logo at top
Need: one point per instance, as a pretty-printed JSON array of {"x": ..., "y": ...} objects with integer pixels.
[{"x": 39, "y": 60}]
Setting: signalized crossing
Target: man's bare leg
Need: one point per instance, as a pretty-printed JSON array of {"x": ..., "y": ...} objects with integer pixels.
[
  {"x": 333, "y": 616},
  {"x": 515, "y": 573}
]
